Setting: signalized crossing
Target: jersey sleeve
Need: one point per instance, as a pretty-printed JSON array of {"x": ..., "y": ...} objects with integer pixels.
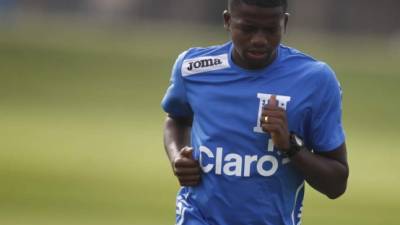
[
  {"x": 175, "y": 101},
  {"x": 326, "y": 123}
]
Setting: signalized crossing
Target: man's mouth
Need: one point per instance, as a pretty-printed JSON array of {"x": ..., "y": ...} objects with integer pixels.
[{"x": 257, "y": 55}]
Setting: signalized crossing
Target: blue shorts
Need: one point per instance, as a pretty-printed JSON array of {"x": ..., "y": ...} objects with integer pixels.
[{"x": 186, "y": 214}]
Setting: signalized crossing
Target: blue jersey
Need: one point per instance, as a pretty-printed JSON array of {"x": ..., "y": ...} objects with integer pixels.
[{"x": 245, "y": 180}]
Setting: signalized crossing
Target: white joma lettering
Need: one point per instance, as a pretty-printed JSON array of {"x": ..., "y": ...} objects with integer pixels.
[{"x": 203, "y": 63}]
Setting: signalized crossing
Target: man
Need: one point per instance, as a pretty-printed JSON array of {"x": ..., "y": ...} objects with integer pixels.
[{"x": 249, "y": 121}]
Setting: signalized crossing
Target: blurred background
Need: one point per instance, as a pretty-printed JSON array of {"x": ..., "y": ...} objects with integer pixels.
[{"x": 81, "y": 125}]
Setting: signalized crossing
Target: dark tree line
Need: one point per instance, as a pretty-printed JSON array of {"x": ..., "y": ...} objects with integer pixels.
[{"x": 349, "y": 16}]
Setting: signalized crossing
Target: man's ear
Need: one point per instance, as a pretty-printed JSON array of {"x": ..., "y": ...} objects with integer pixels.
[
  {"x": 287, "y": 15},
  {"x": 227, "y": 20}
]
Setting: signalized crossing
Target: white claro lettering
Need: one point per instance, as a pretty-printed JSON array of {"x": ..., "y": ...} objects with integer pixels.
[
  {"x": 233, "y": 164},
  {"x": 236, "y": 165},
  {"x": 263, "y": 100}
]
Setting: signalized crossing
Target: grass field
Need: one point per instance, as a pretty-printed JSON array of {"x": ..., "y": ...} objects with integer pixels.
[{"x": 81, "y": 126}]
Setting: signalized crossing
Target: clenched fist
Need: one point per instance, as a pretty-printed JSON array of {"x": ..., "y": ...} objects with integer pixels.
[
  {"x": 274, "y": 122},
  {"x": 186, "y": 168}
]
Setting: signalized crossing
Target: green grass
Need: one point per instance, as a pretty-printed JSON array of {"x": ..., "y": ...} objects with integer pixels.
[{"x": 81, "y": 126}]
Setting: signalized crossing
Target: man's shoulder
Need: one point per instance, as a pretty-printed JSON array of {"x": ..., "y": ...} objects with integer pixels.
[
  {"x": 213, "y": 50},
  {"x": 293, "y": 54},
  {"x": 295, "y": 58},
  {"x": 204, "y": 59}
]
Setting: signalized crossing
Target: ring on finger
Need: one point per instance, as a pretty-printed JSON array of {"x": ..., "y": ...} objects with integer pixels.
[{"x": 266, "y": 119}]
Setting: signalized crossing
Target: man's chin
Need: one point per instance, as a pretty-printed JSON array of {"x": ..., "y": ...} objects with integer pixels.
[{"x": 257, "y": 64}]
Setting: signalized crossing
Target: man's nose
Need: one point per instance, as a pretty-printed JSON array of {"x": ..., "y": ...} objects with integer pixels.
[{"x": 259, "y": 39}]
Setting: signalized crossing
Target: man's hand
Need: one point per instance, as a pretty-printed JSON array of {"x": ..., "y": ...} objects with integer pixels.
[
  {"x": 274, "y": 121},
  {"x": 186, "y": 168}
]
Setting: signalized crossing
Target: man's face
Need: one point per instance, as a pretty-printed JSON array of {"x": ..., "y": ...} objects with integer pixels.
[{"x": 256, "y": 33}]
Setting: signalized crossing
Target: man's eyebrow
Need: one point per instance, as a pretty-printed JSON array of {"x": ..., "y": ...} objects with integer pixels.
[
  {"x": 276, "y": 16},
  {"x": 243, "y": 22}
]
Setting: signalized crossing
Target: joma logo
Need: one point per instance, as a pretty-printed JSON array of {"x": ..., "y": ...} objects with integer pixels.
[{"x": 203, "y": 63}]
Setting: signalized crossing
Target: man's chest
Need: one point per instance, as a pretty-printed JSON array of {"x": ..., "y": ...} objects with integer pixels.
[{"x": 239, "y": 102}]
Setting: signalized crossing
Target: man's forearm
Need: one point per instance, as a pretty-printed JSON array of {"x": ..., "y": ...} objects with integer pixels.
[
  {"x": 176, "y": 135},
  {"x": 325, "y": 174}
]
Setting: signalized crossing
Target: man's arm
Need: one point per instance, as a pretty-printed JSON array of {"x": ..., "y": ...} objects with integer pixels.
[
  {"x": 326, "y": 172},
  {"x": 176, "y": 142},
  {"x": 176, "y": 135}
]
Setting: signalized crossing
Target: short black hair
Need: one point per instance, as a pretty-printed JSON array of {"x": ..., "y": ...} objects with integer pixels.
[{"x": 260, "y": 3}]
